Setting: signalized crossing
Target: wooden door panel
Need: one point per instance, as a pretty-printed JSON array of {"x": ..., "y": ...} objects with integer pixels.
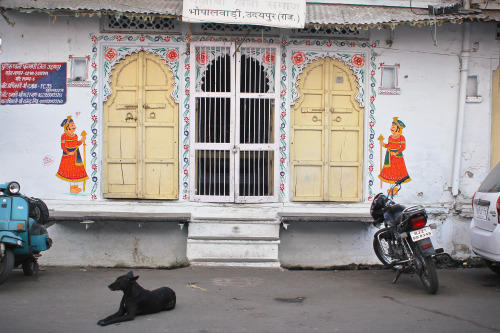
[
  {"x": 160, "y": 180},
  {"x": 122, "y": 143},
  {"x": 344, "y": 146},
  {"x": 307, "y": 145},
  {"x": 308, "y": 182},
  {"x": 159, "y": 139},
  {"x": 122, "y": 177},
  {"x": 344, "y": 183}
]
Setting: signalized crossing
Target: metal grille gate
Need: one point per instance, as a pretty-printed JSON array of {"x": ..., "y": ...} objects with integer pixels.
[{"x": 234, "y": 148}]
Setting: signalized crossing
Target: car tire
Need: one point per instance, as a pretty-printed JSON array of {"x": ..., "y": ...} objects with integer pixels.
[{"x": 494, "y": 266}]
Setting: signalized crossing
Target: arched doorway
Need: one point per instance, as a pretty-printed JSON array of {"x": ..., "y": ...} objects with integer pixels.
[
  {"x": 140, "y": 148},
  {"x": 234, "y": 149},
  {"x": 326, "y": 143}
]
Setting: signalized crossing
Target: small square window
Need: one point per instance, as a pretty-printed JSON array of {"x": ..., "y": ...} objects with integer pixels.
[
  {"x": 389, "y": 80},
  {"x": 78, "y": 73}
]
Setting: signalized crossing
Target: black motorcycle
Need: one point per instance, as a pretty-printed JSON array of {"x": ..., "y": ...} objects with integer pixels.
[{"x": 404, "y": 243}]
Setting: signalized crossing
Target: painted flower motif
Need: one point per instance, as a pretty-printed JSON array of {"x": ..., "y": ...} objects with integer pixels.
[
  {"x": 94, "y": 142},
  {"x": 212, "y": 38},
  {"x": 372, "y": 73},
  {"x": 94, "y": 197},
  {"x": 166, "y": 39},
  {"x": 186, "y": 119},
  {"x": 329, "y": 43},
  {"x": 119, "y": 38},
  {"x": 94, "y": 118},
  {"x": 371, "y": 145},
  {"x": 94, "y": 91},
  {"x": 370, "y": 168},
  {"x": 187, "y": 92},
  {"x": 282, "y": 160},
  {"x": 283, "y": 67},
  {"x": 94, "y": 65},
  {"x": 283, "y": 136},
  {"x": 94, "y": 166},
  {"x": 371, "y": 123},
  {"x": 185, "y": 172},
  {"x": 283, "y": 114},
  {"x": 308, "y": 42},
  {"x": 353, "y": 44},
  {"x": 284, "y": 42},
  {"x": 372, "y": 99},
  {"x": 374, "y": 45},
  {"x": 172, "y": 55},
  {"x": 282, "y": 187},
  {"x": 186, "y": 147},
  {"x": 358, "y": 60},
  {"x": 187, "y": 67},
  {"x": 298, "y": 58},
  {"x": 110, "y": 54},
  {"x": 202, "y": 57},
  {"x": 142, "y": 38},
  {"x": 259, "y": 40},
  {"x": 269, "y": 58},
  {"x": 283, "y": 92},
  {"x": 93, "y": 38}
]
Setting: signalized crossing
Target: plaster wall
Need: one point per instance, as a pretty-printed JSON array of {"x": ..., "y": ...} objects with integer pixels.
[{"x": 429, "y": 82}]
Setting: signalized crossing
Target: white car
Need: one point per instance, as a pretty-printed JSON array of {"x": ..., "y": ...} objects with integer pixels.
[{"x": 484, "y": 229}]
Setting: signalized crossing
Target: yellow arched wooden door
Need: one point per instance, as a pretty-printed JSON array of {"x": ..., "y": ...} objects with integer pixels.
[
  {"x": 140, "y": 131},
  {"x": 327, "y": 134}
]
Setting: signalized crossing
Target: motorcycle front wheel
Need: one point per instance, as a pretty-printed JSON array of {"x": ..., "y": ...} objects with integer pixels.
[
  {"x": 428, "y": 275},
  {"x": 6, "y": 265}
]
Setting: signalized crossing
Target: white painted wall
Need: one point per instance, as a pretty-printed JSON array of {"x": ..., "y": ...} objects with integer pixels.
[{"x": 428, "y": 78}]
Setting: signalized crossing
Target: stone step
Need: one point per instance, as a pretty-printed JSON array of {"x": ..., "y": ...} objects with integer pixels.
[
  {"x": 232, "y": 250},
  {"x": 234, "y": 229}
]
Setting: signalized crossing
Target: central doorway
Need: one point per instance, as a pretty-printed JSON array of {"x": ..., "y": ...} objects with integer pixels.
[{"x": 233, "y": 122}]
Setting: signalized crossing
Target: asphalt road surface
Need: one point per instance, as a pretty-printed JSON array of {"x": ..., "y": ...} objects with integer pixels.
[{"x": 72, "y": 300}]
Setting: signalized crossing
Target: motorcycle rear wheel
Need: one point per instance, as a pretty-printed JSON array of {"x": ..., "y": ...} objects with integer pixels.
[
  {"x": 6, "y": 265},
  {"x": 382, "y": 248},
  {"x": 428, "y": 275}
]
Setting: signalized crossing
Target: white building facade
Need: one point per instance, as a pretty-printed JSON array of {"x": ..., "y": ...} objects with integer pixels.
[{"x": 215, "y": 144}]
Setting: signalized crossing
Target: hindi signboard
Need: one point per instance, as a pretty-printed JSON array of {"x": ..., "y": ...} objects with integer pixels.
[
  {"x": 33, "y": 83},
  {"x": 276, "y": 13}
]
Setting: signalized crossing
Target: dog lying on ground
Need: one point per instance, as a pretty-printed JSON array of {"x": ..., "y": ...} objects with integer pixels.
[{"x": 137, "y": 300}]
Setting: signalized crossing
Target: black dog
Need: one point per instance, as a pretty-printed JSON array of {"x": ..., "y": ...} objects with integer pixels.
[{"x": 137, "y": 300}]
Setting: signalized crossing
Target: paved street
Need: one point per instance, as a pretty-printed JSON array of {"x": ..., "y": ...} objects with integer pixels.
[{"x": 256, "y": 300}]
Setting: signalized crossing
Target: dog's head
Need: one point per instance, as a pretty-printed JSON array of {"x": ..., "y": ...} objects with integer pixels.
[{"x": 123, "y": 282}]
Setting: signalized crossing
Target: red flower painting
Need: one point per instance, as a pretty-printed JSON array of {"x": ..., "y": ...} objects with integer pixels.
[
  {"x": 358, "y": 60},
  {"x": 298, "y": 58},
  {"x": 269, "y": 58},
  {"x": 110, "y": 54},
  {"x": 202, "y": 57},
  {"x": 172, "y": 55}
]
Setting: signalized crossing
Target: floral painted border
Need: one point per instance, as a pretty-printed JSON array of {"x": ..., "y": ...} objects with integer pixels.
[{"x": 112, "y": 55}]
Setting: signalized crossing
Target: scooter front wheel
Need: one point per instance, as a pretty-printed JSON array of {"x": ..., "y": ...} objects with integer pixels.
[{"x": 6, "y": 265}]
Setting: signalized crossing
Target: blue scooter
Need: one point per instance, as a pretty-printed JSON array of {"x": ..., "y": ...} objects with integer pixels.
[{"x": 22, "y": 232}]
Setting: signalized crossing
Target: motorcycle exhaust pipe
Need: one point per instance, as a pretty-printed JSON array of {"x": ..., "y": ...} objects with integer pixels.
[{"x": 394, "y": 263}]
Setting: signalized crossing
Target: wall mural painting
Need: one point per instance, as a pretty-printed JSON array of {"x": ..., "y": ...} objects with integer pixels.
[
  {"x": 72, "y": 166},
  {"x": 392, "y": 166}
]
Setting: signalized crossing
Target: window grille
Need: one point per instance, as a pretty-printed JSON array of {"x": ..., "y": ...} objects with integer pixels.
[
  {"x": 234, "y": 29},
  {"x": 235, "y": 144},
  {"x": 344, "y": 32},
  {"x": 111, "y": 23}
]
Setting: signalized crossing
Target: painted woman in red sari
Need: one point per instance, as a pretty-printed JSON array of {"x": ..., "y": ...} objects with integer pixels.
[
  {"x": 72, "y": 167},
  {"x": 394, "y": 164}
]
